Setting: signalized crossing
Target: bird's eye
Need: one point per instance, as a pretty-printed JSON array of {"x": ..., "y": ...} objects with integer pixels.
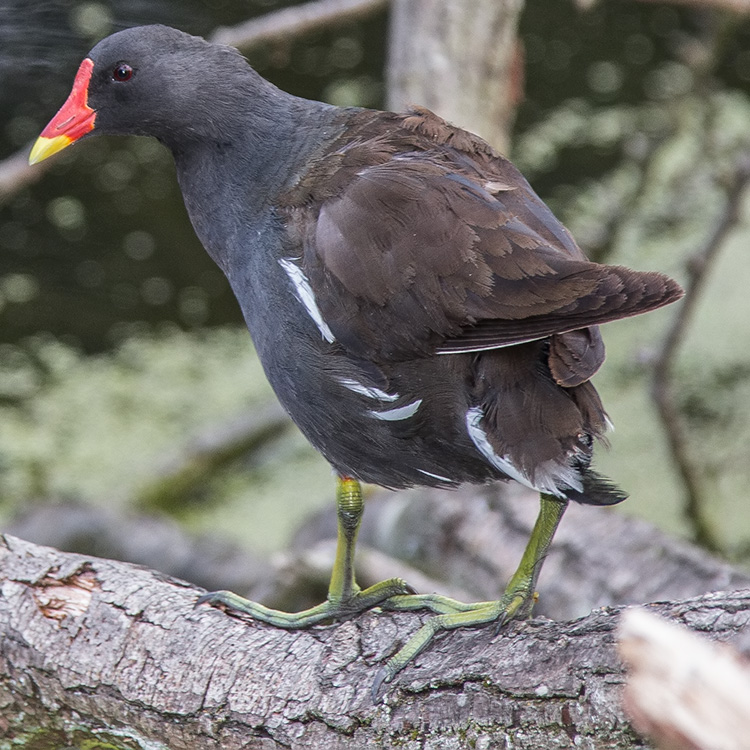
[{"x": 122, "y": 72}]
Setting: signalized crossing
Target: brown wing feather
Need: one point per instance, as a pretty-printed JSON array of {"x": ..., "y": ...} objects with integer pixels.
[{"x": 426, "y": 240}]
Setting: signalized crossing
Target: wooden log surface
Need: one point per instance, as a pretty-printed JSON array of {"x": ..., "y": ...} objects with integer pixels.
[{"x": 108, "y": 647}]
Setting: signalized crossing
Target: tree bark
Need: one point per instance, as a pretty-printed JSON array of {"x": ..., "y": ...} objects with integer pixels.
[
  {"x": 96, "y": 648},
  {"x": 463, "y": 63}
]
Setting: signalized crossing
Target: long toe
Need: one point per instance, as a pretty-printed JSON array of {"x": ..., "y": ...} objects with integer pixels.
[
  {"x": 327, "y": 611},
  {"x": 463, "y": 616}
]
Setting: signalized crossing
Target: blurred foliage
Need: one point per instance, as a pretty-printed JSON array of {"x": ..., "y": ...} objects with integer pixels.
[
  {"x": 635, "y": 114},
  {"x": 97, "y": 428},
  {"x": 83, "y": 425}
]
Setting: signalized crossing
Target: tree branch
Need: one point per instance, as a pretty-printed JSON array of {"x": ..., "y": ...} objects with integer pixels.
[
  {"x": 296, "y": 21},
  {"x": 97, "y": 645},
  {"x": 16, "y": 174},
  {"x": 741, "y": 7},
  {"x": 662, "y": 392}
]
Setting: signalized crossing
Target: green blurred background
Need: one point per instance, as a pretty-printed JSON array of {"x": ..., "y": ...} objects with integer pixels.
[{"x": 119, "y": 339}]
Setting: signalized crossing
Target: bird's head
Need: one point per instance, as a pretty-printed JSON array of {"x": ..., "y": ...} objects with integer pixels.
[{"x": 148, "y": 80}]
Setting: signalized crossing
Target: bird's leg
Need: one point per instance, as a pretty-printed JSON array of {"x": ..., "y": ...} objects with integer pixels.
[
  {"x": 516, "y": 602},
  {"x": 345, "y": 598}
]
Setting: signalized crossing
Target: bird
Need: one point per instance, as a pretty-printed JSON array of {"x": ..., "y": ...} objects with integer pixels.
[{"x": 419, "y": 311}]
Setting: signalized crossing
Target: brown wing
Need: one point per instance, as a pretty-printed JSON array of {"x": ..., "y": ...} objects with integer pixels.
[{"x": 442, "y": 250}]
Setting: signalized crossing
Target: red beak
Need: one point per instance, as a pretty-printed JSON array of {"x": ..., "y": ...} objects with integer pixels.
[{"x": 74, "y": 119}]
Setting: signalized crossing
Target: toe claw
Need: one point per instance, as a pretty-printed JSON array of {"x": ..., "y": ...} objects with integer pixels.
[
  {"x": 215, "y": 598},
  {"x": 500, "y": 622},
  {"x": 381, "y": 677},
  {"x": 210, "y": 597}
]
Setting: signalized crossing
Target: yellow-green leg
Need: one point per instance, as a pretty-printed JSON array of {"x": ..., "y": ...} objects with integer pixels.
[
  {"x": 345, "y": 599},
  {"x": 517, "y": 600}
]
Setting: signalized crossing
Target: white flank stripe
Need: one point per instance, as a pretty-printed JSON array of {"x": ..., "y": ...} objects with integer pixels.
[
  {"x": 400, "y": 412},
  {"x": 306, "y": 297},
  {"x": 365, "y": 390},
  {"x": 479, "y": 438},
  {"x": 434, "y": 476},
  {"x": 478, "y": 347}
]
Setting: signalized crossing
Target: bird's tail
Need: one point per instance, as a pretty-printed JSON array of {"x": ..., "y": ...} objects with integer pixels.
[{"x": 596, "y": 490}]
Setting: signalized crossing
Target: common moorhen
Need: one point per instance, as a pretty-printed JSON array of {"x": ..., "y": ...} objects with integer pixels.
[{"x": 419, "y": 311}]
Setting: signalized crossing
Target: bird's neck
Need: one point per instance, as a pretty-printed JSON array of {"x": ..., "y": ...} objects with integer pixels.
[{"x": 230, "y": 176}]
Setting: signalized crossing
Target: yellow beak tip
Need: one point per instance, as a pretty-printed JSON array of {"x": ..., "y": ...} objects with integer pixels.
[{"x": 46, "y": 147}]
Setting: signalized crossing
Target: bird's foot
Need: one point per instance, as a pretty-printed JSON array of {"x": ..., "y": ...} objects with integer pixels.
[
  {"x": 333, "y": 609},
  {"x": 516, "y": 603},
  {"x": 345, "y": 598}
]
